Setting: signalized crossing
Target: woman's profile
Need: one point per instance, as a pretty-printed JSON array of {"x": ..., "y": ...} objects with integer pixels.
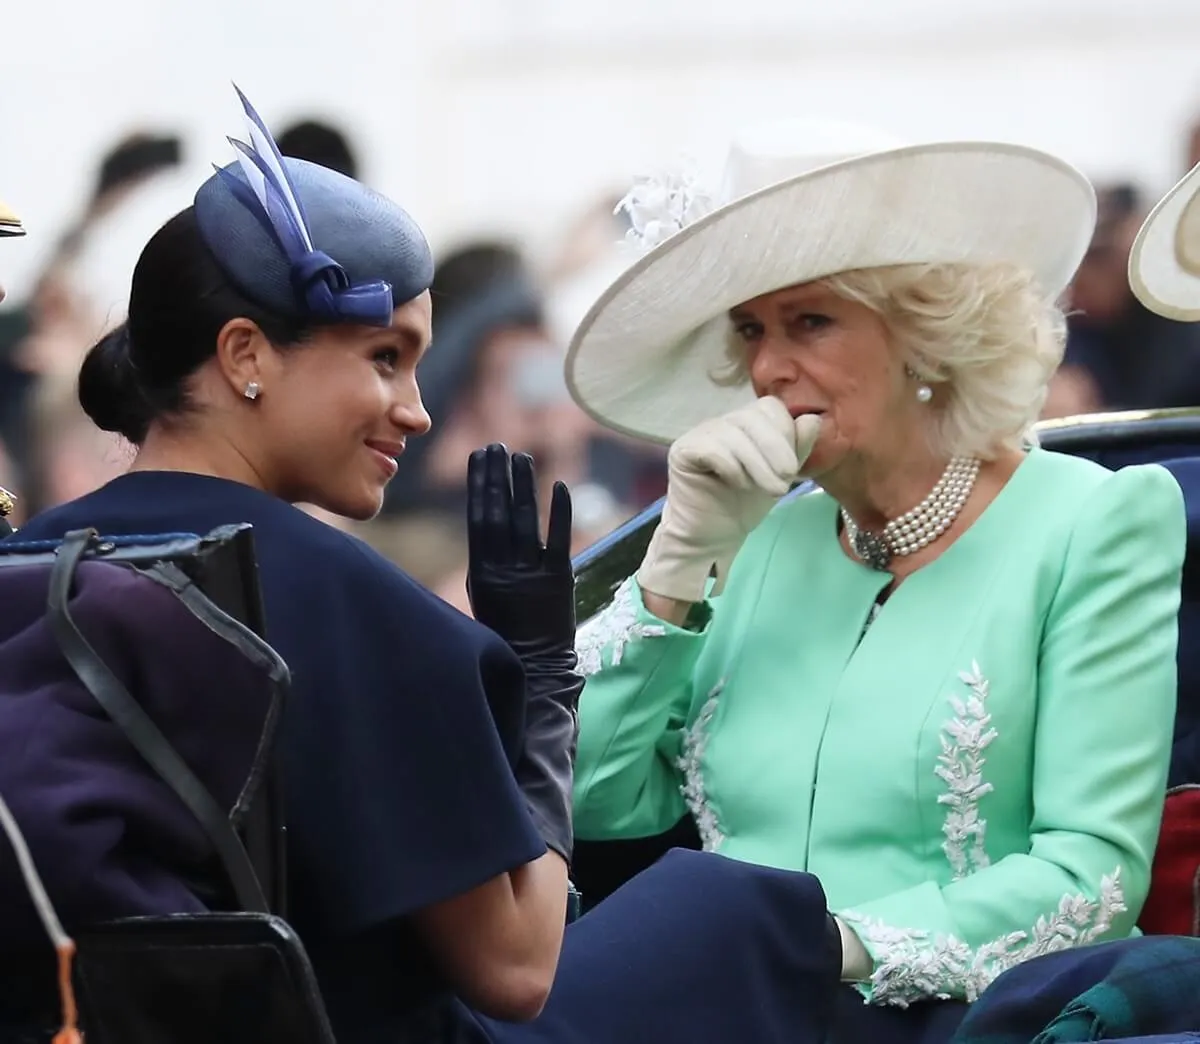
[{"x": 944, "y": 682}]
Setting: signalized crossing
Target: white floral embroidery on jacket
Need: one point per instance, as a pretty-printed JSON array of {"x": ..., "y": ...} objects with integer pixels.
[
  {"x": 960, "y": 766},
  {"x": 695, "y": 739},
  {"x": 910, "y": 965},
  {"x": 613, "y": 628}
]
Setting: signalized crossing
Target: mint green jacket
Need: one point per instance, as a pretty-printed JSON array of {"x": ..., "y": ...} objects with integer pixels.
[{"x": 977, "y": 781}]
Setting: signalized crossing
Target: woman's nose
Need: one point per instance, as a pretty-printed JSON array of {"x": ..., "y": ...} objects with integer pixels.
[
  {"x": 412, "y": 417},
  {"x": 771, "y": 365}
]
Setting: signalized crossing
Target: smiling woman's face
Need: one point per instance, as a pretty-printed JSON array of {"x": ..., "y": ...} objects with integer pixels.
[
  {"x": 336, "y": 411},
  {"x": 820, "y": 353}
]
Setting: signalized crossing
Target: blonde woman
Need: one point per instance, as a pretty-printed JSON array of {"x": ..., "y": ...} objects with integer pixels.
[{"x": 945, "y": 683}]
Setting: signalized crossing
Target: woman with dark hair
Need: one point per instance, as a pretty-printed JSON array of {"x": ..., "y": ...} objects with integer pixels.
[{"x": 269, "y": 358}]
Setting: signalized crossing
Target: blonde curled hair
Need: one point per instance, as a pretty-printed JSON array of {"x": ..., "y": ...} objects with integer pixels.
[{"x": 984, "y": 336}]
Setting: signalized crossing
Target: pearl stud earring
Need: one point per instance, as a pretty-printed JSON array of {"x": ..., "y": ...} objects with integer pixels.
[
  {"x": 924, "y": 392},
  {"x": 252, "y": 390}
]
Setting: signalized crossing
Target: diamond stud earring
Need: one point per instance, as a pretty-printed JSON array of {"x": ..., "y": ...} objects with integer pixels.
[{"x": 252, "y": 390}]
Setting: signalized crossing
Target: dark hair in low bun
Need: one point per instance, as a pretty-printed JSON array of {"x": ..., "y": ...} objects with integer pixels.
[
  {"x": 178, "y": 303},
  {"x": 108, "y": 388}
]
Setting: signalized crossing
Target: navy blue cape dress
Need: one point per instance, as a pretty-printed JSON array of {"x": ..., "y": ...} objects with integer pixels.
[{"x": 403, "y": 723}]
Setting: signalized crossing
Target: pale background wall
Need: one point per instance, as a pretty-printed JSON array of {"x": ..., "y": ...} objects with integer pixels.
[{"x": 509, "y": 115}]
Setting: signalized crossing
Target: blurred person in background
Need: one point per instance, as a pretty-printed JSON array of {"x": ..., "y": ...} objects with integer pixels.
[
  {"x": 587, "y": 261},
  {"x": 59, "y": 305},
  {"x": 92, "y": 285},
  {"x": 319, "y": 142},
  {"x": 473, "y": 387},
  {"x": 588, "y": 237},
  {"x": 464, "y": 277},
  {"x": 132, "y": 161},
  {"x": 50, "y": 329},
  {"x": 69, "y": 455},
  {"x": 422, "y": 525},
  {"x": 1072, "y": 391},
  {"x": 470, "y": 270},
  {"x": 1123, "y": 355},
  {"x": 497, "y": 377},
  {"x": 93, "y": 278}
]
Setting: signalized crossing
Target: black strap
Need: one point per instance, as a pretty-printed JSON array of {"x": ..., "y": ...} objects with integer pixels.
[{"x": 145, "y": 736}]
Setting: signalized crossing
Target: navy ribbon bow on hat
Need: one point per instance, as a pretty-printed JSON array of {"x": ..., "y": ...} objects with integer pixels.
[{"x": 269, "y": 194}]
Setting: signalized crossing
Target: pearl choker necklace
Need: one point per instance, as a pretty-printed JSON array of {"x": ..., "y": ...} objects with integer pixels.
[{"x": 921, "y": 526}]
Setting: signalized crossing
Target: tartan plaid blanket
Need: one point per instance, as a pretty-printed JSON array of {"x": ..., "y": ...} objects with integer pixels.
[{"x": 1132, "y": 988}]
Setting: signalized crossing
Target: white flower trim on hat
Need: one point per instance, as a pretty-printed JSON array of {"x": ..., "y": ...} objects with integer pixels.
[
  {"x": 1164, "y": 264},
  {"x": 801, "y": 201},
  {"x": 663, "y": 204}
]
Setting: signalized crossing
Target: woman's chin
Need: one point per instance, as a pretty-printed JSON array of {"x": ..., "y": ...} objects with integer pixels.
[
  {"x": 363, "y": 510},
  {"x": 817, "y": 462},
  {"x": 337, "y": 510}
]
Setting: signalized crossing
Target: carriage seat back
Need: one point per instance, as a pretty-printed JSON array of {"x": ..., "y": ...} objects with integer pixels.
[
  {"x": 144, "y": 719},
  {"x": 232, "y": 978},
  {"x": 144, "y": 715}
]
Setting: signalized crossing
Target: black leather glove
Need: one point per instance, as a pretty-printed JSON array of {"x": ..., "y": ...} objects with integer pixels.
[{"x": 525, "y": 592}]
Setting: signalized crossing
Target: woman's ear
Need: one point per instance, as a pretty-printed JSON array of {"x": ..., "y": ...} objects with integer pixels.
[{"x": 242, "y": 356}]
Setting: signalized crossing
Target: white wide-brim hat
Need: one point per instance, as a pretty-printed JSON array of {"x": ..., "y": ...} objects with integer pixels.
[
  {"x": 802, "y": 201},
  {"x": 1164, "y": 265}
]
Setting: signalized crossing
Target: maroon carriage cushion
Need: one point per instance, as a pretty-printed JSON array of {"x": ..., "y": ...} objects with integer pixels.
[{"x": 1172, "y": 907}]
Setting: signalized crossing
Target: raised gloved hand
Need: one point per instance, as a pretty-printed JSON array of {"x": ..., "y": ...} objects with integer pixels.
[
  {"x": 518, "y": 587},
  {"x": 525, "y": 592},
  {"x": 723, "y": 477}
]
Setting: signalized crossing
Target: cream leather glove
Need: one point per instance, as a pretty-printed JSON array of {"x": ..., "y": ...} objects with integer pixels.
[{"x": 723, "y": 477}]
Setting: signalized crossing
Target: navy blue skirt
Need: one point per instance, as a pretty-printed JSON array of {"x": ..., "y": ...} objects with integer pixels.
[{"x": 709, "y": 950}]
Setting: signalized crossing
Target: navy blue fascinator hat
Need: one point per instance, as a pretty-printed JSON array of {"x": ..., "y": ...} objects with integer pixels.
[{"x": 307, "y": 242}]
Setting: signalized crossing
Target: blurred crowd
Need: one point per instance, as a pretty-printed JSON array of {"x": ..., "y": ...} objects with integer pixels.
[{"x": 502, "y": 321}]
